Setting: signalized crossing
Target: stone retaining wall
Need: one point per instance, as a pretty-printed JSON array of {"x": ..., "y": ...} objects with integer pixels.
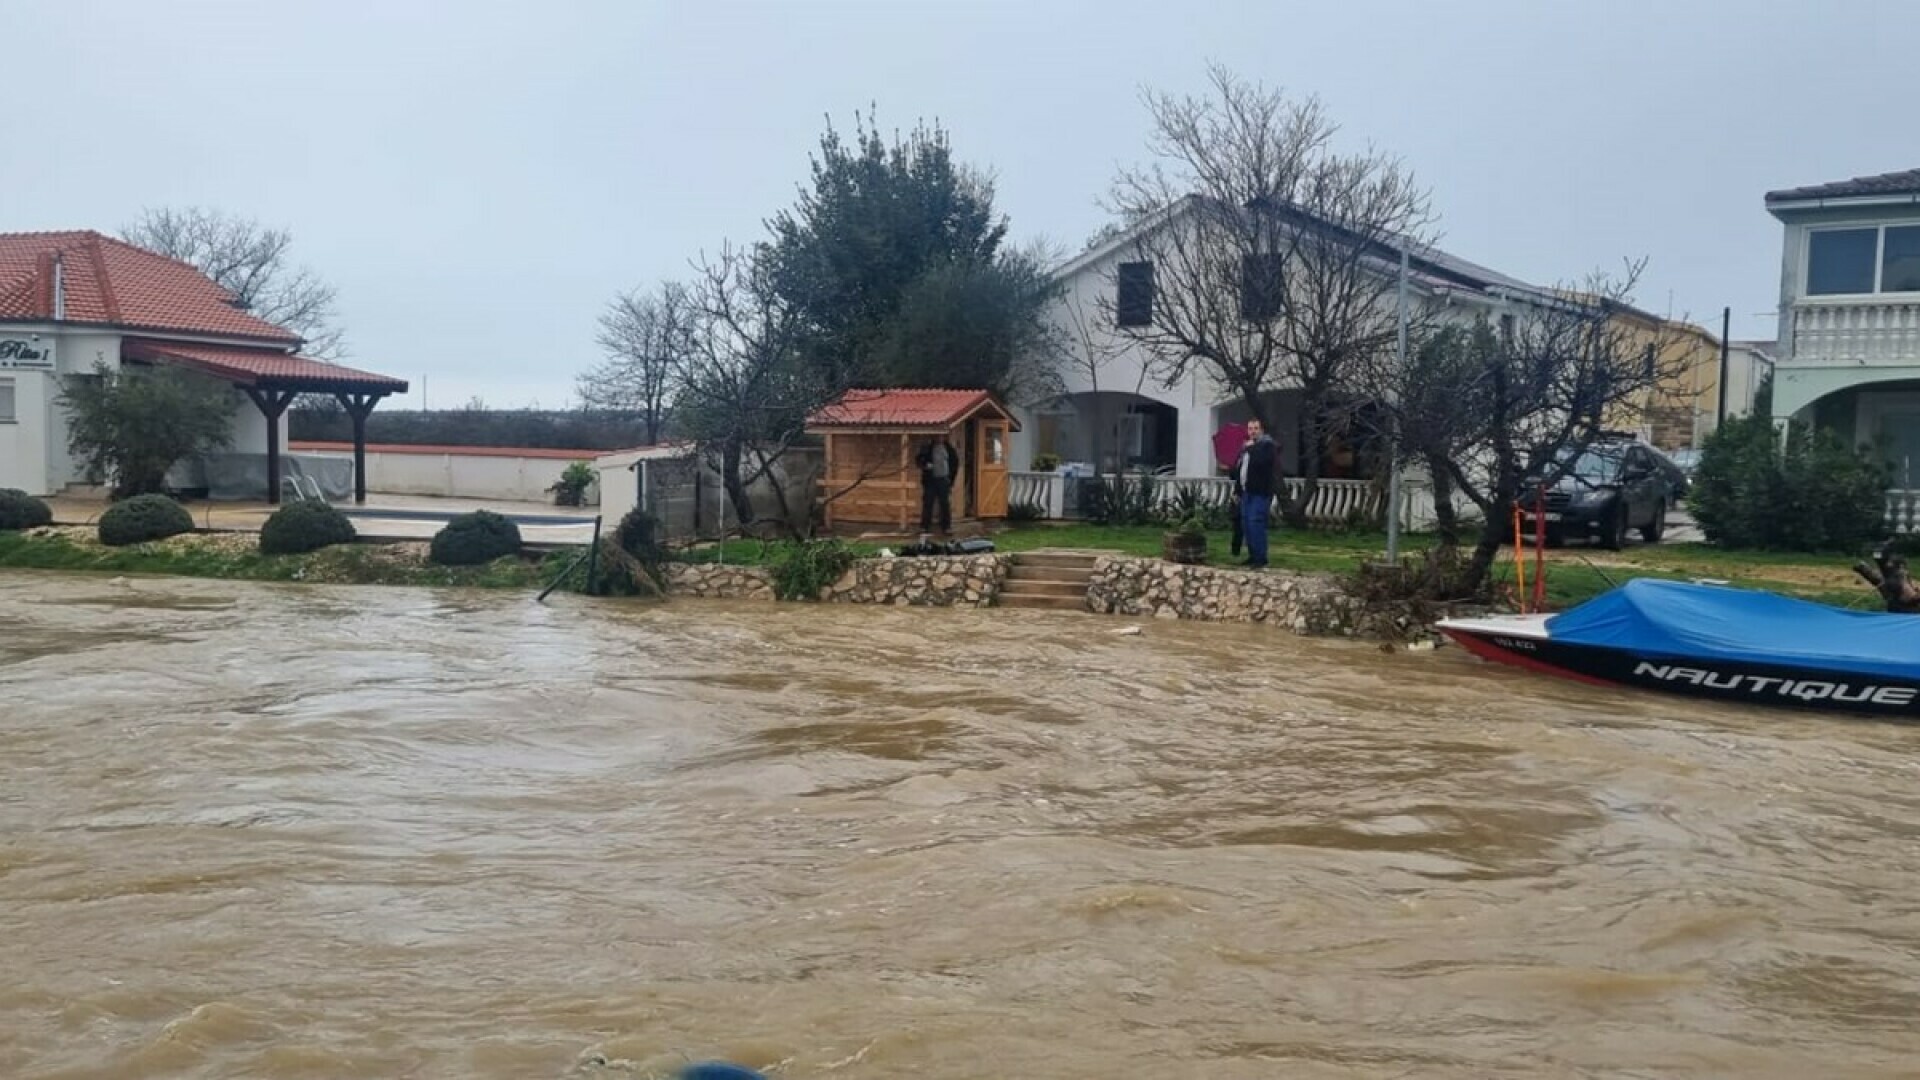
[
  {"x": 1122, "y": 585},
  {"x": 720, "y": 582},
  {"x": 969, "y": 580},
  {"x": 1304, "y": 603},
  {"x": 949, "y": 581}
]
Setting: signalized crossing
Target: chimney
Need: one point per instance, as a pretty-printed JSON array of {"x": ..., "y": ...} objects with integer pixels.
[{"x": 59, "y": 290}]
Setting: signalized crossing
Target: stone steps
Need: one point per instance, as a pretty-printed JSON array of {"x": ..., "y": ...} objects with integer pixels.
[{"x": 1048, "y": 580}]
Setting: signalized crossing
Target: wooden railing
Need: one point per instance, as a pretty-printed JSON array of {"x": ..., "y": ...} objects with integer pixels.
[{"x": 1856, "y": 334}]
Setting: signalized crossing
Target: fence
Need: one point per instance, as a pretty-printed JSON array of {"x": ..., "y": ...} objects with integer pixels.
[
  {"x": 1335, "y": 502},
  {"x": 686, "y": 496}
]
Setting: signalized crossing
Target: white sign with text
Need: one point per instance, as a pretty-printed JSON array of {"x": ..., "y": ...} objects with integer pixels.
[{"x": 29, "y": 352}]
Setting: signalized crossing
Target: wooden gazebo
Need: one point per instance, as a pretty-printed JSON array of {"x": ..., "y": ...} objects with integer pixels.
[
  {"x": 272, "y": 379},
  {"x": 873, "y": 436}
]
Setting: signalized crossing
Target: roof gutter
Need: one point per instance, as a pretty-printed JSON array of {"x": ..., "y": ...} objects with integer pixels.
[{"x": 1842, "y": 202}]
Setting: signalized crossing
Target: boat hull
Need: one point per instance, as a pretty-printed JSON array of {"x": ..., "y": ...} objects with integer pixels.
[{"x": 1525, "y": 644}]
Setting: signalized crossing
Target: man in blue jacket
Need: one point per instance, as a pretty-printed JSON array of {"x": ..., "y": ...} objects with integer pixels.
[{"x": 1258, "y": 473}]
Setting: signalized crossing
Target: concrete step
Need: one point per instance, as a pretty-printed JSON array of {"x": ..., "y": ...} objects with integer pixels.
[
  {"x": 1012, "y": 599},
  {"x": 1074, "y": 560},
  {"x": 1029, "y": 587},
  {"x": 1060, "y": 574}
]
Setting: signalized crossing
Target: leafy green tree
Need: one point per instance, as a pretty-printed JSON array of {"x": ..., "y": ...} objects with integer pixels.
[
  {"x": 131, "y": 426},
  {"x": 1811, "y": 494},
  {"x": 894, "y": 262}
]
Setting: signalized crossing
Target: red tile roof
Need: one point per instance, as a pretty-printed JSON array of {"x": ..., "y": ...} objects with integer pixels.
[
  {"x": 544, "y": 452},
  {"x": 256, "y": 367},
  {"x": 905, "y": 408},
  {"x": 111, "y": 282}
]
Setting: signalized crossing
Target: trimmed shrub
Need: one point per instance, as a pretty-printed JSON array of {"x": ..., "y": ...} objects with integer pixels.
[
  {"x": 143, "y": 518},
  {"x": 300, "y": 527},
  {"x": 1814, "y": 494},
  {"x": 472, "y": 539},
  {"x": 19, "y": 510}
]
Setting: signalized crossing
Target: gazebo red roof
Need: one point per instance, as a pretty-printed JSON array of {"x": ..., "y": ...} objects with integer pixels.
[
  {"x": 905, "y": 409},
  {"x": 261, "y": 367}
]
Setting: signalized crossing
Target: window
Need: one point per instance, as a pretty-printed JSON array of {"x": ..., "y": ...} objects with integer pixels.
[
  {"x": 1262, "y": 286},
  {"x": 6, "y": 402},
  {"x": 1847, "y": 262},
  {"x": 1900, "y": 259},
  {"x": 1840, "y": 261},
  {"x": 996, "y": 446},
  {"x": 1133, "y": 306}
]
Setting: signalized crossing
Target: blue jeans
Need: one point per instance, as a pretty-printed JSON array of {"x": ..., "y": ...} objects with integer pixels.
[{"x": 1255, "y": 510}]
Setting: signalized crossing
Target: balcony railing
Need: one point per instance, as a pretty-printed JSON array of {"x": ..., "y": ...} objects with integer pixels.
[
  {"x": 1335, "y": 502},
  {"x": 1903, "y": 512},
  {"x": 1869, "y": 334}
]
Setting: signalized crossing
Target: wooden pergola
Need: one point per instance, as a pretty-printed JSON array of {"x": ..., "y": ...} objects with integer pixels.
[{"x": 272, "y": 379}]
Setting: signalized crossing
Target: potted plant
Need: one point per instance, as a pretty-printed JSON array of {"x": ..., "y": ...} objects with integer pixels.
[
  {"x": 571, "y": 488},
  {"x": 1046, "y": 462},
  {"x": 1187, "y": 541}
]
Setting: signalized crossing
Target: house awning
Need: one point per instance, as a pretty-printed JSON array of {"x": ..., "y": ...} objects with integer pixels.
[{"x": 264, "y": 369}]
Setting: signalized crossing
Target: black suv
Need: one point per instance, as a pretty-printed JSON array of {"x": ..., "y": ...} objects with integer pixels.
[{"x": 1615, "y": 485}]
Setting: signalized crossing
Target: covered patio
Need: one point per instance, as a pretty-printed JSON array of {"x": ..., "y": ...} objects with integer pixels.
[{"x": 272, "y": 379}]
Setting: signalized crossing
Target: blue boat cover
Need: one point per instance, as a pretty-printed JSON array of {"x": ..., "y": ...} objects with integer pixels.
[{"x": 1675, "y": 620}]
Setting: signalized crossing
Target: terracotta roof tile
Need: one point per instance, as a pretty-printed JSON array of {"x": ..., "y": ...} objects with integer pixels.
[
  {"x": 252, "y": 367},
  {"x": 903, "y": 408},
  {"x": 110, "y": 282},
  {"x": 1905, "y": 182}
]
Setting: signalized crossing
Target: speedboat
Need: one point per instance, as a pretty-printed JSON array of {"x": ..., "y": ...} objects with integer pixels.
[{"x": 1713, "y": 641}]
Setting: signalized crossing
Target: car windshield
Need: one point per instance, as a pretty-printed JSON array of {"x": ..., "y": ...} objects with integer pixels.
[{"x": 1596, "y": 466}]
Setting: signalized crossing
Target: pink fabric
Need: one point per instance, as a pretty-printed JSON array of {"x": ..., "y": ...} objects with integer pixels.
[{"x": 1227, "y": 443}]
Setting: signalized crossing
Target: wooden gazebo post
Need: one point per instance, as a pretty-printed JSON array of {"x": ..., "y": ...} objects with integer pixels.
[
  {"x": 359, "y": 406},
  {"x": 273, "y": 405}
]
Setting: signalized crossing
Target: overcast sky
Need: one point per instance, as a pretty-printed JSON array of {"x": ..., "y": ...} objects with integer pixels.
[{"x": 478, "y": 178}]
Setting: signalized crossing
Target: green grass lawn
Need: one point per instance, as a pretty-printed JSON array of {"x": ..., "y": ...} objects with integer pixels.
[{"x": 1574, "y": 574}]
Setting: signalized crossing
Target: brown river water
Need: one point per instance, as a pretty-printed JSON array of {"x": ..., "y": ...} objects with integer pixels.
[{"x": 264, "y": 831}]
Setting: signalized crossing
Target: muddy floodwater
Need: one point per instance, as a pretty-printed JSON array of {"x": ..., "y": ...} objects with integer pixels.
[{"x": 270, "y": 832}]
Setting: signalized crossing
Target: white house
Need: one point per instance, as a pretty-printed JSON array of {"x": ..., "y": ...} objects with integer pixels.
[
  {"x": 1849, "y": 348},
  {"x": 70, "y": 301},
  {"x": 1114, "y": 398}
]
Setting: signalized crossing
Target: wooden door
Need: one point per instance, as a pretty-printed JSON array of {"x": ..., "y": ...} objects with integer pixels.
[{"x": 991, "y": 468}]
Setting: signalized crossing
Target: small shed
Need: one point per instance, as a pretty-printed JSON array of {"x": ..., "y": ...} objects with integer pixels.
[{"x": 873, "y": 436}]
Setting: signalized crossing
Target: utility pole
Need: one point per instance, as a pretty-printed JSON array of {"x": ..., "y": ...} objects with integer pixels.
[
  {"x": 1393, "y": 427},
  {"x": 1727, "y": 329}
]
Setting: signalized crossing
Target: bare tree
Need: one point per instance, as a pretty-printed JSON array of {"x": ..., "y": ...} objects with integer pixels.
[
  {"x": 1274, "y": 255},
  {"x": 646, "y": 337},
  {"x": 1493, "y": 412},
  {"x": 1093, "y": 344},
  {"x": 252, "y": 262},
  {"x": 742, "y": 387}
]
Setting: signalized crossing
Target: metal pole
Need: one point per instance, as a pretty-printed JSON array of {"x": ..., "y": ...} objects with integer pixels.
[
  {"x": 1393, "y": 428},
  {"x": 1726, "y": 328}
]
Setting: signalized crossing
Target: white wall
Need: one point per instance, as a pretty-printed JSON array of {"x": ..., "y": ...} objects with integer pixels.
[
  {"x": 1127, "y": 367},
  {"x": 23, "y": 442},
  {"x": 33, "y": 449},
  {"x": 460, "y": 476},
  {"x": 79, "y": 352}
]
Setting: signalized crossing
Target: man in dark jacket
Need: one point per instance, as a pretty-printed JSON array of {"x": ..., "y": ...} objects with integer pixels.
[
  {"x": 939, "y": 464},
  {"x": 1258, "y": 474}
]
